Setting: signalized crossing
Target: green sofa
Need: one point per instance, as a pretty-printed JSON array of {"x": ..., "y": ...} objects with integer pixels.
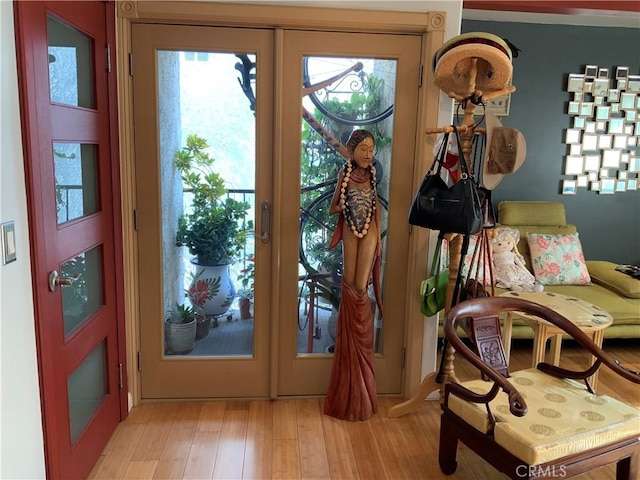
[{"x": 615, "y": 292}]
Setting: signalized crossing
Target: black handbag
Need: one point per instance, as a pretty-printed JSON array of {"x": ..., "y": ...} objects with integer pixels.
[{"x": 450, "y": 209}]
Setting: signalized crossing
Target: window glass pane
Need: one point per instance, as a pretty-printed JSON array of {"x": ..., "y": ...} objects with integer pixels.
[
  {"x": 86, "y": 389},
  {"x": 75, "y": 167},
  {"x": 70, "y": 65},
  {"x": 343, "y": 94},
  {"x": 83, "y": 297},
  {"x": 207, "y": 125}
]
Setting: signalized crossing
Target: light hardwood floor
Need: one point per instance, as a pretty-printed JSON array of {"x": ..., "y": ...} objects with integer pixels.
[{"x": 293, "y": 439}]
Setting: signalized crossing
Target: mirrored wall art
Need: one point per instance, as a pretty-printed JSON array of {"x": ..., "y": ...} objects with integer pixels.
[{"x": 603, "y": 151}]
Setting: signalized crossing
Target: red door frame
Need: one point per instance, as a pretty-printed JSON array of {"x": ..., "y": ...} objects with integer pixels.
[{"x": 30, "y": 36}]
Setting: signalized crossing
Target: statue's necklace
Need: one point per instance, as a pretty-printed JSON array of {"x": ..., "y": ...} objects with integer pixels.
[{"x": 344, "y": 204}]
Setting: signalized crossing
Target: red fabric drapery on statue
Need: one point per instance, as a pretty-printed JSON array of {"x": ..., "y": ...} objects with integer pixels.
[{"x": 352, "y": 386}]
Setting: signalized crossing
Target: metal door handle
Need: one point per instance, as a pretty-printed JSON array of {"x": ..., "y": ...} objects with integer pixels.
[
  {"x": 55, "y": 280},
  {"x": 265, "y": 222}
]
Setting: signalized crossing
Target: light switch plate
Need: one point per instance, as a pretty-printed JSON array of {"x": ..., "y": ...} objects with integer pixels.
[{"x": 8, "y": 242}]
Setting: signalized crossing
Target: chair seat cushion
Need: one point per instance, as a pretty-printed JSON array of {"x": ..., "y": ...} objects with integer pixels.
[{"x": 563, "y": 417}]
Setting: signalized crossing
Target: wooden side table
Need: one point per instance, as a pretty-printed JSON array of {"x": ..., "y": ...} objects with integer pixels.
[{"x": 591, "y": 319}]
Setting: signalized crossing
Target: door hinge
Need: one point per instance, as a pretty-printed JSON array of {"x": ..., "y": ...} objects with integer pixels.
[
  {"x": 120, "y": 375},
  {"x": 420, "y": 72},
  {"x": 404, "y": 357},
  {"x": 108, "y": 58},
  {"x": 139, "y": 361},
  {"x": 131, "y": 64},
  {"x": 135, "y": 219}
]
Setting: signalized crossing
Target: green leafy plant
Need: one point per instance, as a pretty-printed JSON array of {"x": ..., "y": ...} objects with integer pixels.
[
  {"x": 181, "y": 314},
  {"x": 212, "y": 229},
  {"x": 246, "y": 278}
]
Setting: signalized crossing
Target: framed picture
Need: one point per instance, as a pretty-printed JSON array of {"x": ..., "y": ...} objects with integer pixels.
[
  {"x": 589, "y": 142},
  {"x": 575, "y": 149},
  {"x": 633, "y": 84},
  {"x": 574, "y": 108},
  {"x": 632, "y": 184},
  {"x": 616, "y": 125},
  {"x": 573, "y": 135},
  {"x": 590, "y": 71},
  {"x": 575, "y": 83},
  {"x": 602, "y": 113},
  {"x": 568, "y": 187},
  {"x": 574, "y": 165},
  {"x": 591, "y": 163},
  {"x": 603, "y": 73},
  {"x": 582, "y": 181},
  {"x": 621, "y": 185},
  {"x": 607, "y": 186},
  {"x": 628, "y": 101},
  {"x": 601, "y": 87},
  {"x": 496, "y": 106},
  {"x": 620, "y": 141},
  {"x": 595, "y": 186},
  {"x": 604, "y": 141},
  {"x": 586, "y": 109},
  {"x": 611, "y": 158},
  {"x": 622, "y": 72}
]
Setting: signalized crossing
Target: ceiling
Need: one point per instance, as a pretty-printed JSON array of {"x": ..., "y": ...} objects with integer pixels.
[{"x": 596, "y": 13}]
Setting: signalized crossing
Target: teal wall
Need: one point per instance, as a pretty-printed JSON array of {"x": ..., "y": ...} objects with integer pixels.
[{"x": 609, "y": 225}]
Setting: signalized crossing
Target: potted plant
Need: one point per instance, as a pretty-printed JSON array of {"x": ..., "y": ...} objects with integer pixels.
[
  {"x": 199, "y": 292},
  {"x": 211, "y": 228},
  {"x": 246, "y": 288},
  {"x": 180, "y": 329}
]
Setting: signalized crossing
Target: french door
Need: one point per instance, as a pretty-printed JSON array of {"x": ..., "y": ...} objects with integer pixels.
[
  {"x": 223, "y": 84},
  {"x": 188, "y": 81},
  {"x": 67, "y": 93}
]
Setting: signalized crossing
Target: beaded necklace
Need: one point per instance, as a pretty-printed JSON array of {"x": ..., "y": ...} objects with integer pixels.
[{"x": 344, "y": 204}]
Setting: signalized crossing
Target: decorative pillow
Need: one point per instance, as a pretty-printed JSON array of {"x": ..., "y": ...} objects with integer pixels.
[{"x": 558, "y": 259}]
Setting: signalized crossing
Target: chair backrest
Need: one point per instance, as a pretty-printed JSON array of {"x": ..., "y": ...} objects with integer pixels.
[{"x": 481, "y": 308}]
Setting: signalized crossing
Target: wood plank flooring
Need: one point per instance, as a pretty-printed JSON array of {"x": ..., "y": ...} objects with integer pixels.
[{"x": 293, "y": 439}]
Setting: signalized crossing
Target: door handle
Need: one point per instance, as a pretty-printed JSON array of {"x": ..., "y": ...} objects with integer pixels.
[
  {"x": 265, "y": 222},
  {"x": 55, "y": 280}
]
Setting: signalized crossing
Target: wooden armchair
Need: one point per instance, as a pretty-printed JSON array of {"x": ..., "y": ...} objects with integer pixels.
[{"x": 542, "y": 422}]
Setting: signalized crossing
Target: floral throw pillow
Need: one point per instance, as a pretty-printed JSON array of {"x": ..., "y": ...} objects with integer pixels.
[{"x": 558, "y": 259}]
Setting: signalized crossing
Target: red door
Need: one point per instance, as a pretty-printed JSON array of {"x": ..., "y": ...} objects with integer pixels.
[{"x": 68, "y": 97}]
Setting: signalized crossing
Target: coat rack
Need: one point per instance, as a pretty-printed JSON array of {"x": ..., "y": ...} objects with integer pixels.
[{"x": 466, "y": 129}]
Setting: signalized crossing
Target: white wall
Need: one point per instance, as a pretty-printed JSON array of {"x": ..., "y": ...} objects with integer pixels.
[{"x": 21, "y": 443}]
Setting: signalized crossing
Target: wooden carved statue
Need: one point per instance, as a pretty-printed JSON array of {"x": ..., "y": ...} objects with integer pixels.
[{"x": 352, "y": 387}]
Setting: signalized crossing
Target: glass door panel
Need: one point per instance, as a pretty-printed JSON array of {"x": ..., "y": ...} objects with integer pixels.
[
  {"x": 70, "y": 65},
  {"x": 208, "y": 190},
  {"x": 340, "y": 94},
  {"x": 86, "y": 389},
  {"x": 83, "y": 297},
  {"x": 76, "y": 180}
]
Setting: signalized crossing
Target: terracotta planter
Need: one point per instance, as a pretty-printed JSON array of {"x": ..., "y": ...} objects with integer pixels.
[
  {"x": 203, "y": 324},
  {"x": 245, "y": 308}
]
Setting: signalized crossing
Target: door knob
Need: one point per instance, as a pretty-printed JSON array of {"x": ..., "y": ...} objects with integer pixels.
[{"x": 55, "y": 280}]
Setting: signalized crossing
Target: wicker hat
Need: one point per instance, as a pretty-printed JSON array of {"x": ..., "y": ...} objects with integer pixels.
[
  {"x": 505, "y": 152},
  {"x": 452, "y": 63}
]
